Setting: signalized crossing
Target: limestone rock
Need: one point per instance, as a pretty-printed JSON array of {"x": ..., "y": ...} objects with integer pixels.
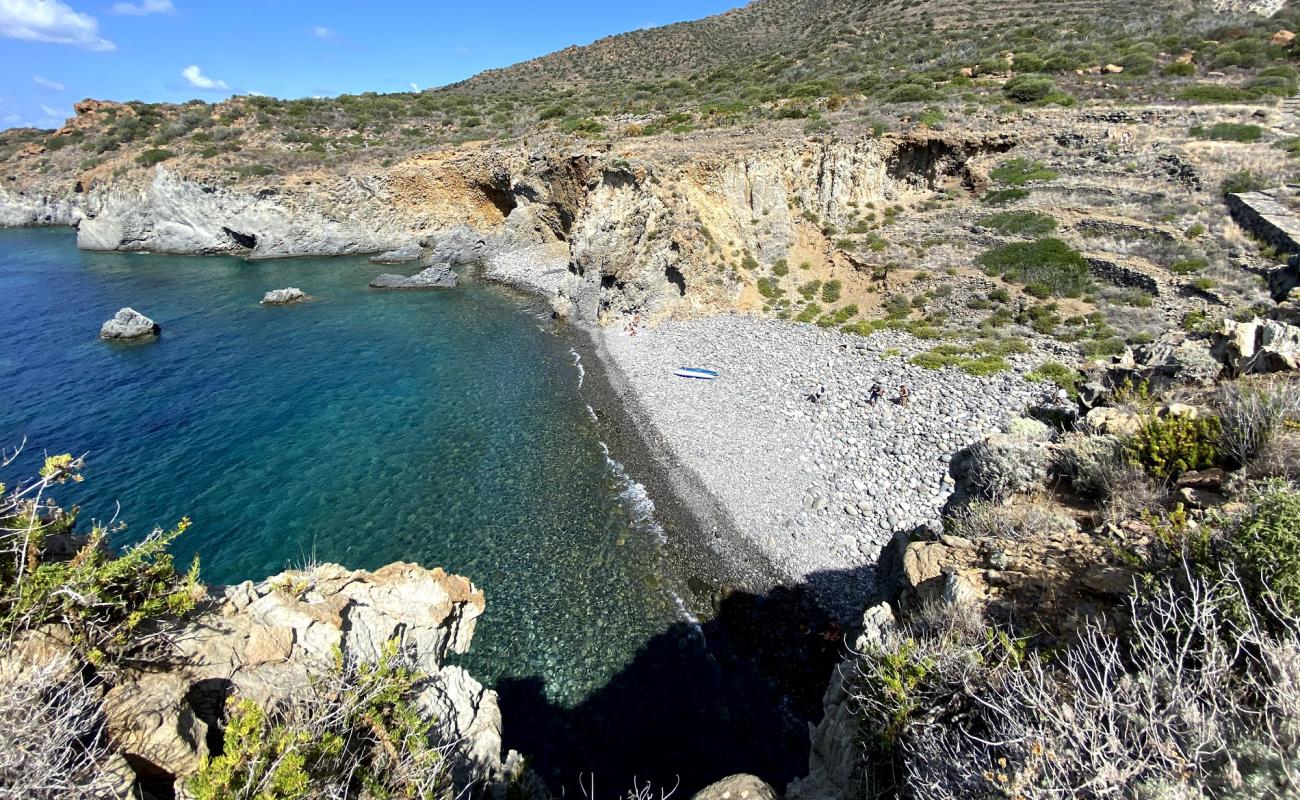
[
  {"x": 1257, "y": 346},
  {"x": 1201, "y": 498},
  {"x": 1113, "y": 421},
  {"x": 152, "y": 722},
  {"x": 1212, "y": 478},
  {"x": 264, "y": 642},
  {"x": 435, "y": 277},
  {"x": 1283, "y": 280},
  {"x": 283, "y": 297},
  {"x": 411, "y": 251},
  {"x": 1282, "y": 38},
  {"x": 128, "y": 325},
  {"x": 173, "y": 214},
  {"x": 737, "y": 787}
]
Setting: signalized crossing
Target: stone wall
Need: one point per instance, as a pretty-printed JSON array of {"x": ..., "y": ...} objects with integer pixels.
[
  {"x": 1120, "y": 275},
  {"x": 1261, "y": 215}
]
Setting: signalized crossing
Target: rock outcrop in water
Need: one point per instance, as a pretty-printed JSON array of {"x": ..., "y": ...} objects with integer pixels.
[
  {"x": 283, "y": 297},
  {"x": 129, "y": 325},
  {"x": 436, "y": 277}
]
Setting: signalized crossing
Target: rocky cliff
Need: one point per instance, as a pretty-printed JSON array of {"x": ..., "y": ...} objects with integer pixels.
[
  {"x": 269, "y": 642},
  {"x": 608, "y": 233}
]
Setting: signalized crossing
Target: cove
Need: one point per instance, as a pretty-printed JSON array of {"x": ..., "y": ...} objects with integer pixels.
[{"x": 364, "y": 427}]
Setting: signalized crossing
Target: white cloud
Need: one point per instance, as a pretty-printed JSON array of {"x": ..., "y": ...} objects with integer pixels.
[
  {"x": 10, "y": 119},
  {"x": 51, "y": 21},
  {"x": 46, "y": 83},
  {"x": 322, "y": 32},
  {"x": 200, "y": 81},
  {"x": 462, "y": 50},
  {"x": 145, "y": 7},
  {"x": 415, "y": 87},
  {"x": 52, "y": 113}
]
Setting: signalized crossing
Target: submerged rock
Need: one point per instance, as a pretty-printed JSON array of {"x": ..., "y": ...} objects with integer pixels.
[
  {"x": 129, "y": 325},
  {"x": 436, "y": 277},
  {"x": 283, "y": 297}
]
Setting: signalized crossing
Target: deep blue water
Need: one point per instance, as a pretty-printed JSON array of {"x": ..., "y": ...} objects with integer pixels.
[{"x": 361, "y": 427}]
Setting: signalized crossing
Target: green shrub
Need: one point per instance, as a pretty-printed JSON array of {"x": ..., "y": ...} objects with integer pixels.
[
  {"x": 1241, "y": 182},
  {"x": 1048, "y": 265},
  {"x": 1003, "y": 197},
  {"x": 138, "y": 589},
  {"x": 1265, "y": 547},
  {"x": 1020, "y": 171},
  {"x": 911, "y": 93},
  {"x": 1214, "y": 93},
  {"x": 781, "y": 268},
  {"x": 153, "y": 156},
  {"x": 831, "y": 291},
  {"x": 963, "y": 358},
  {"x": 356, "y": 731},
  {"x": 984, "y": 366},
  {"x": 810, "y": 312},
  {"x": 1228, "y": 132},
  {"x": 810, "y": 289},
  {"x": 1290, "y": 146},
  {"x": 1020, "y": 223},
  {"x": 1179, "y": 69},
  {"x": 768, "y": 287},
  {"x": 1170, "y": 445},
  {"x": 1055, "y": 372},
  {"x": 1028, "y": 88}
]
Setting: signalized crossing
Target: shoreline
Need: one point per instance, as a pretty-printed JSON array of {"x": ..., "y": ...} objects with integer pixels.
[{"x": 690, "y": 512}]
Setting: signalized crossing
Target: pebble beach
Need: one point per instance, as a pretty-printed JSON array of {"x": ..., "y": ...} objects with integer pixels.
[{"x": 819, "y": 487}]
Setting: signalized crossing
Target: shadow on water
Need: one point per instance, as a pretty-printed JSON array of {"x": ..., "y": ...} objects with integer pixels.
[{"x": 735, "y": 694}]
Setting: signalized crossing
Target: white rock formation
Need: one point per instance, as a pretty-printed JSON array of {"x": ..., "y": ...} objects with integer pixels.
[
  {"x": 282, "y": 297},
  {"x": 129, "y": 324}
]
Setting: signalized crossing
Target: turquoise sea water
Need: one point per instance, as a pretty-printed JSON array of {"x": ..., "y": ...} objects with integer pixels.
[
  {"x": 446, "y": 428},
  {"x": 361, "y": 427}
]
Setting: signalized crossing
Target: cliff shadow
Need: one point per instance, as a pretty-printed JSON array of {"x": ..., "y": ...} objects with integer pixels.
[{"x": 735, "y": 693}]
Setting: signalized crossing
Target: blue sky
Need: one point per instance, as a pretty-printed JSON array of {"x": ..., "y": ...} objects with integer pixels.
[{"x": 56, "y": 52}]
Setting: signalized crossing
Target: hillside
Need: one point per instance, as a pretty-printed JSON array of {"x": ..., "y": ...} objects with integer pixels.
[{"x": 809, "y": 60}]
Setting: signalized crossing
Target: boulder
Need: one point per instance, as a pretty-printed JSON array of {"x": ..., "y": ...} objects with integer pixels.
[
  {"x": 1283, "y": 280},
  {"x": 1113, "y": 69},
  {"x": 436, "y": 277},
  {"x": 1257, "y": 346},
  {"x": 1105, "y": 419},
  {"x": 737, "y": 787},
  {"x": 1212, "y": 478},
  {"x": 283, "y": 297},
  {"x": 129, "y": 325},
  {"x": 1282, "y": 38},
  {"x": 152, "y": 723}
]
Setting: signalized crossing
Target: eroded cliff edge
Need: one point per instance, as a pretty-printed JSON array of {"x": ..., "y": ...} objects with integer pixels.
[
  {"x": 607, "y": 233},
  {"x": 270, "y": 642}
]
